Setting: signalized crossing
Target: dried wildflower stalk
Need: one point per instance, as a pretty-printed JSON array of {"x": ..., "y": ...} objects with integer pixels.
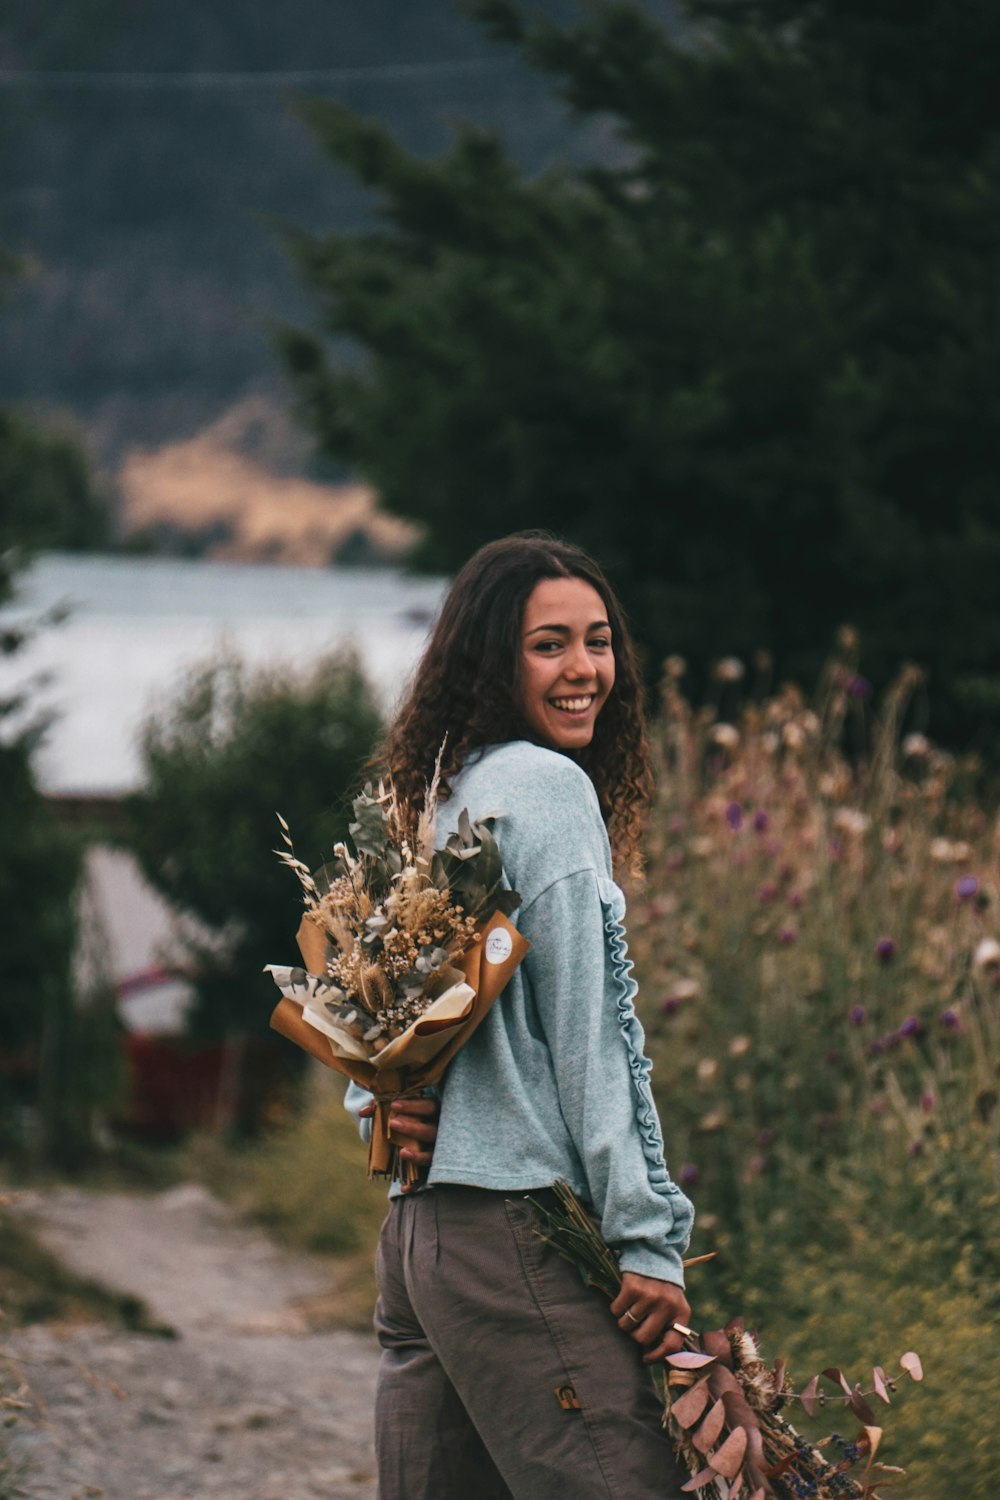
[{"x": 723, "y": 1403}]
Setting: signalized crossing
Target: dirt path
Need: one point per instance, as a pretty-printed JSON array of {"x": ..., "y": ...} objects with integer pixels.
[{"x": 246, "y": 1404}]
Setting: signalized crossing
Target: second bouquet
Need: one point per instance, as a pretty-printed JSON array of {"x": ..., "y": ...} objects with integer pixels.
[{"x": 405, "y": 947}]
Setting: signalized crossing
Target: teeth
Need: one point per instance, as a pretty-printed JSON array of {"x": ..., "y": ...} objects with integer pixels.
[{"x": 576, "y": 705}]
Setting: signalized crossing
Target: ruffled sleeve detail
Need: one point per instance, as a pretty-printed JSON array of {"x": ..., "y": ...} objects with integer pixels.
[{"x": 639, "y": 1065}]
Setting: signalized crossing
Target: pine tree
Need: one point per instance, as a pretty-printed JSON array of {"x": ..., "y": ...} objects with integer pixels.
[{"x": 750, "y": 361}]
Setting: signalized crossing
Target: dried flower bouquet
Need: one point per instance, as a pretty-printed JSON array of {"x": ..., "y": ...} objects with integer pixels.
[
  {"x": 405, "y": 947},
  {"x": 723, "y": 1404}
]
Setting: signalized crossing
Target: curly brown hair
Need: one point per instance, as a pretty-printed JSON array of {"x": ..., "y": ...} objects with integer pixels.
[{"x": 465, "y": 690}]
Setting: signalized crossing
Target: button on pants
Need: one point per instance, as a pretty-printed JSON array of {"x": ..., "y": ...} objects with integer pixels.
[{"x": 483, "y": 1327}]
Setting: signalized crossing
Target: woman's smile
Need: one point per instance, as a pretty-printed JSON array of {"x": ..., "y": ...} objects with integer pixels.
[{"x": 567, "y": 661}]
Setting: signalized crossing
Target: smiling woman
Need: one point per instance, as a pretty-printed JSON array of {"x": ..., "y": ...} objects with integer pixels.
[
  {"x": 567, "y": 663},
  {"x": 501, "y": 1374}
]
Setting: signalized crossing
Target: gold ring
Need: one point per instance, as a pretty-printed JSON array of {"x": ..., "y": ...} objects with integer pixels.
[
  {"x": 688, "y": 1333},
  {"x": 631, "y": 1316}
]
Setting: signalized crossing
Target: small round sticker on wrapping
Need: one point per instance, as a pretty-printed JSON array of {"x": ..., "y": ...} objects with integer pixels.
[{"x": 499, "y": 946}]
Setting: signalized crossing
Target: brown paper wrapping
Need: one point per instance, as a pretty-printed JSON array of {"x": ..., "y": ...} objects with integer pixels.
[{"x": 427, "y": 1051}]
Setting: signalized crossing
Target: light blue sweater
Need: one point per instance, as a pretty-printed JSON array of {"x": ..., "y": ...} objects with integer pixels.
[{"x": 554, "y": 1082}]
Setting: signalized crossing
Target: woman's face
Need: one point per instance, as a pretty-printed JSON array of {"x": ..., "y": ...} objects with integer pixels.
[{"x": 567, "y": 661}]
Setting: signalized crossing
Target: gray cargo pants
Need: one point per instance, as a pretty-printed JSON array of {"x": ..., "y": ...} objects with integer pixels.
[{"x": 488, "y": 1339}]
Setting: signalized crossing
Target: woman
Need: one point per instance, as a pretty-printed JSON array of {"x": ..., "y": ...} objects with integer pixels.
[{"x": 501, "y": 1375}]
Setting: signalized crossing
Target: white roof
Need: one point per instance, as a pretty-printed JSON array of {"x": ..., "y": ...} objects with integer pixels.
[{"x": 136, "y": 624}]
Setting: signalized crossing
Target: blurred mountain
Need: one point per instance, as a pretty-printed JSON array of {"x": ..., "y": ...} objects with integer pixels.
[{"x": 149, "y": 155}]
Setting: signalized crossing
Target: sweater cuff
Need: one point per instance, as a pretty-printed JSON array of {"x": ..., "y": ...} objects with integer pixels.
[{"x": 642, "y": 1258}]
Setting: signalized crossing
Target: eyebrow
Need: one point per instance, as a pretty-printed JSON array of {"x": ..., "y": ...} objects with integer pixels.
[{"x": 565, "y": 630}]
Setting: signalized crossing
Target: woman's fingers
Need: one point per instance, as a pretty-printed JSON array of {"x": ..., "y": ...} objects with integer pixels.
[
  {"x": 647, "y": 1309},
  {"x": 415, "y": 1118}
]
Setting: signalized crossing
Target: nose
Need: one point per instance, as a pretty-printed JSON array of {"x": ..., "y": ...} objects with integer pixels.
[{"x": 578, "y": 664}]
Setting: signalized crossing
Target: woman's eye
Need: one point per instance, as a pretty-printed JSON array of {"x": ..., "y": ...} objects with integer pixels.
[{"x": 599, "y": 643}]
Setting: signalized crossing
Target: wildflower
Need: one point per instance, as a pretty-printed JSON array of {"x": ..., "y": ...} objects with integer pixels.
[
  {"x": 669, "y": 1005},
  {"x": 689, "y": 1174},
  {"x": 734, "y": 816},
  {"x": 760, "y": 821},
  {"x": 787, "y": 936},
  {"x": 859, "y": 687},
  {"x": 857, "y": 1015},
  {"x": 912, "y": 1026},
  {"x": 885, "y": 950},
  {"x": 706, "y": 1069},
  {"x": 757, "y": 1164},
  {"x": 766, "y": 892},
  {"x": 714, "y": 1120},
  {"x": 987, "y": 954},
  {"x": 877, "y": 1105},
  {"x": 966, "y": 887},
  {"x": 928, "y": 1101},
  {"x": 795, "y": 899},
  {"x": 947, "y": 852},
  {"x": 726, "y": 735},
  {"x": 793, "y": 736},
  {"x": 916, "y": 745},
  {"x": 915, "y": 1148},
  {"x": 949, "y": 1019},
  {"x": 851, "y": 820},
  {"x": 875, "y": 1048},
  {"x": 739, "y": 1046},
  {"x": 729, "y": 669},
  {"x": 836, "y": 848}
]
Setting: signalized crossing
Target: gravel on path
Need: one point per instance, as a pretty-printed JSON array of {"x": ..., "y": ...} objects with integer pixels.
[{"x": 245, "y": 1404}]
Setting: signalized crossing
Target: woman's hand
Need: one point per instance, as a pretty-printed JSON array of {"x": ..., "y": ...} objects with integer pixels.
[
  {"x": 647, "y": 1308},
  {"x": 417, "y": 1119}
]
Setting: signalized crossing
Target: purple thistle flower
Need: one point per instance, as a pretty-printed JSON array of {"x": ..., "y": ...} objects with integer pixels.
[
  {"x": 857, "y": 1015},
  {"x": 966, "y": 888},
  {"x": 885, "y": 950},
  {"x": 689, "y": 1174},
  {"x": 766, "y": 892},
  {"x": 760, "y": 821},
  {"x": 795, "y": 899},
  {"x": 949, "y": 1019},
  {"x": 928, "y": 1101},
  {"x": 757, "y": 1164},
  {"x": 859, "y": 687},
  {"x": 915, "y": 1148},
  {"x": 669, "y": 1005},
  {"x": 912, "y": 1026},
  {"x": 734, "y": 816},
  {"x": 787, "y": 936}
]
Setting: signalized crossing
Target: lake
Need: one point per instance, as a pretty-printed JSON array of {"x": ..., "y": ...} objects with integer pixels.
[{"x": 137, "y": 624}]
